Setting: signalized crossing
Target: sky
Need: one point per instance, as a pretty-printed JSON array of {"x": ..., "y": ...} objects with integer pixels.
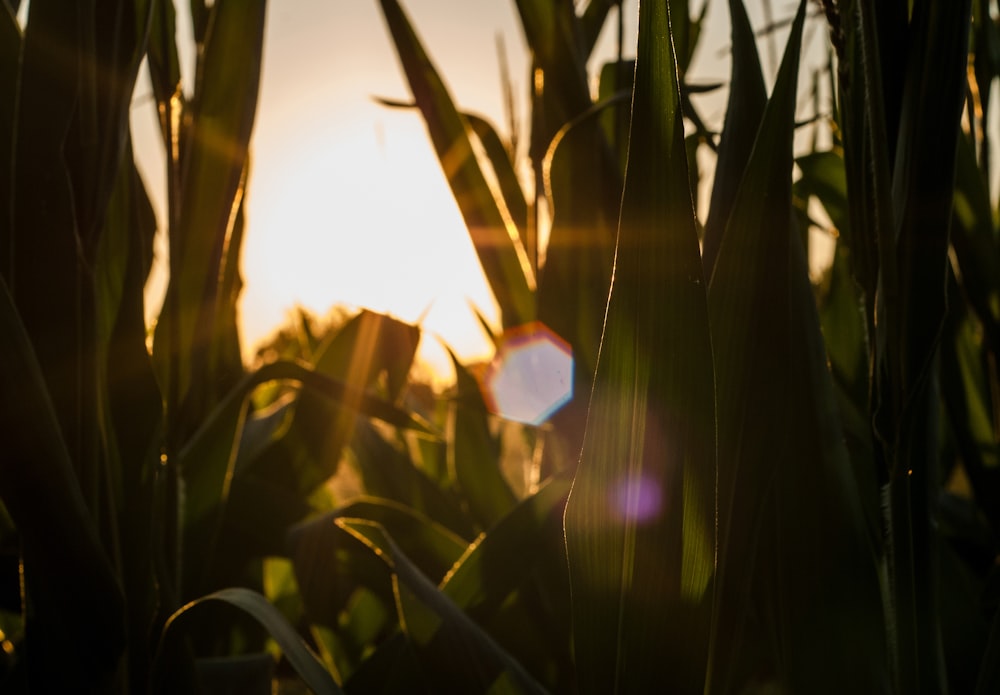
[{"x": 346, "y": 203}]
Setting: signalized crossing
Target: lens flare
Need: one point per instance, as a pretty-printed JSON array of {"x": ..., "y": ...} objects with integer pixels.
[
  {"x": 531, "y": 376},
  {"x": 638, "y": 498}
]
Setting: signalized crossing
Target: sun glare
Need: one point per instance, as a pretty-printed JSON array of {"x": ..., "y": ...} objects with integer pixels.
[{"x": 359, "y": 213}]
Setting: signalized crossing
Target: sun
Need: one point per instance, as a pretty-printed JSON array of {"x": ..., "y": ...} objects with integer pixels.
[{"x": 356, "y": 211}]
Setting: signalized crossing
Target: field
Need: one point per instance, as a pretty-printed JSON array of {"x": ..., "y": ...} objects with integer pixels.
[{"x": 764, "y": 482}]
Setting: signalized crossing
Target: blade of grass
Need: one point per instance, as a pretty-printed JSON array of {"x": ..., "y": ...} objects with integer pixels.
[{"x": 639, "y": 521}]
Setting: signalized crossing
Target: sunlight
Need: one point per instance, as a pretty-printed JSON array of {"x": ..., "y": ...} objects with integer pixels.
[{"x": 359, "y": 213}]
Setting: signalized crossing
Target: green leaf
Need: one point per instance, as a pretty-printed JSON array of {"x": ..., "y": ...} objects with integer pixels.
[
  {"x": 371, "y": 352},
  {"x": 306, "y": 664},
  {"x": 474, "y": 453},
  {"x": 484, "y": 577},
  {"x": 388, "y": 471},
  {"x": 639, "y": 521},
  {"x": 593, "y": 20},
  {"x": 503, "y": 168},
  {"x": 491, "y": 227},
  {"x": 790, "y": 522},
  {"x": 207, "y": 461},
  {"x": 432, "y": 547},
  {"x": 455, "y": 653},
  {"x": 211, "y": 181}
]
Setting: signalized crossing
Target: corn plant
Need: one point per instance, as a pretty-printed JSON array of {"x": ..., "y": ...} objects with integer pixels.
[
  {"x": 120, "y": 464},
  {"x": 782, "y": 488}
]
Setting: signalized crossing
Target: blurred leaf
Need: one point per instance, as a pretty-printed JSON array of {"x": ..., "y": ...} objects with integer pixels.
[
  {"x": 639, "y": 521},
  {"x": 790, "y": 522},
  {"x": 973, "y": 237},
  {"x": 823, "y": 176},
  {"x": 593, "y": 20},
  {"x": 503, "y": 168},
  {"x": 389, "y": 472},
  {"x": 491, "y": 227},
  {"x": 207, "y": 461},
  {"x": 484, "y": 576},
  {"x": 331, "y": 566},
  {"x": 302, "y": 659},
  {"x": 474, "y": 453},
  {"x": 433, "y": 548},
  {"x": 842, "y": 322},
  {"x": 367, "y": 346},
  {"x": 164, "y": 67},
  {"x": 965, "y": 389},
  {"x": 455, "y": 653},
  {"x": 370, "y": 352}
]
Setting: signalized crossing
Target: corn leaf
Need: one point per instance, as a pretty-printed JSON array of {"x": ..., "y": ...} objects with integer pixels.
[
  {"x": 491, "y": 227},
  {"x": 207, "y": 461},
  {"x": 481, "y": 579},
  {"x": 583, "y": 185},
  {"x": 905, "y": 395},
  {"x": 744, "y": 110},
  {"x": 474, "y": 453},
  {"x": 503, "y": 168},
  {"x": 457, "y": 653},
  {"x": 791, "y": 526},
  {"x": 593, "y": 19},
  {"x": 388, "y": 471},
  {"x": 47, "y": 282},
  {"x": 639, "y": 521},
  {"x": 132, "y": 419},
  {"x": 331, "y": 565},
  {"x": 75, "y": 606},
  {"x": 432, "y": 547},
  {"x": 211, "y": 188},
  {"x": 164, "y": 70},
  {"x": 306, "y": 664}
]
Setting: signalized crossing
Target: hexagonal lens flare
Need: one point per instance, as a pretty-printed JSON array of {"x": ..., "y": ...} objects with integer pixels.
[{"x": 531, "y": 376}]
